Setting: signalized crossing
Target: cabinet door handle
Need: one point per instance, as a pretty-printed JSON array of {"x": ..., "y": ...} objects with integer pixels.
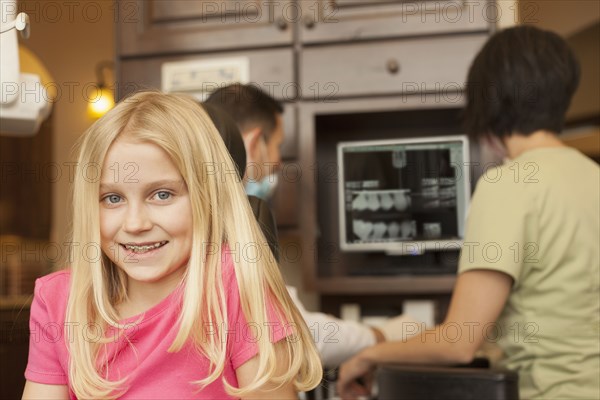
[
  {"x": 309, "y": 22},
  {"x": 392, "y": 66},
  {"x": 281, "y": 23}
]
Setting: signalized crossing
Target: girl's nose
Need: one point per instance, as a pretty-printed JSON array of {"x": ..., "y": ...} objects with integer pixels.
[{"x": 136, "y": 220}]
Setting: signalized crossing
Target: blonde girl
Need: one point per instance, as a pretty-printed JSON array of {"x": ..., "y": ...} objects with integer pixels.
[{"x": 182, "y": 297}]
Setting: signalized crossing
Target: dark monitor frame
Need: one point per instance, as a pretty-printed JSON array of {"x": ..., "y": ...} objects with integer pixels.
[{"x": 408, "y": 246}]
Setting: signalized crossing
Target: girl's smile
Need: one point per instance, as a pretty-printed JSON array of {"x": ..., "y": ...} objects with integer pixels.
[{"x": 142, "y": 248}]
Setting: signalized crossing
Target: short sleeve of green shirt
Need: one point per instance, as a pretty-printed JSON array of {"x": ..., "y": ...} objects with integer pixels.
[{"x": 499, "y": 225}]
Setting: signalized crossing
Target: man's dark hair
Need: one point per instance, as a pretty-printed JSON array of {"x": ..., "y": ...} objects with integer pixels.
[
  {"x": 521, "y": 81},
  {"x": 249, "y": 106}
]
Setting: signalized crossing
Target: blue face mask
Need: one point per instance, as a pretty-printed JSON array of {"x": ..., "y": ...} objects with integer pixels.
[{"x": 263, "y": 188}]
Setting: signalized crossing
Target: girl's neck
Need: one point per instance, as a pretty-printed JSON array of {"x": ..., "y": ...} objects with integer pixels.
[
  {"x": 517, "y": 144},
  {"x": 142, "y": 296}
]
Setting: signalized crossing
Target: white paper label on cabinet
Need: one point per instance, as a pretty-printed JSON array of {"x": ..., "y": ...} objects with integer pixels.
[{"x": 201, "y": 77}]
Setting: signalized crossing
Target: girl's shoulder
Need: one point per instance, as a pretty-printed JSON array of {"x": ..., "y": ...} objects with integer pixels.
[
  {"x": 53, "y": 286},
  {"x": 55, "y": 280}
]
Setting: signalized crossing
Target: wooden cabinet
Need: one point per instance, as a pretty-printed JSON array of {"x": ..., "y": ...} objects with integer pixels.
[
  {"x": 150, "y": 27},
  {"x": 285, "y": 201},
  {"x": 353, "y": 20}
]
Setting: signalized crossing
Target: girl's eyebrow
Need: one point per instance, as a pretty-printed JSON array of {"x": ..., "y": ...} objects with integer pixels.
[{"x": 108, "y": 186}]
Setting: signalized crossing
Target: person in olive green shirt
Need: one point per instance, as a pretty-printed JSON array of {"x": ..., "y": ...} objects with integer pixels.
[{"x": 529, "y": 272}]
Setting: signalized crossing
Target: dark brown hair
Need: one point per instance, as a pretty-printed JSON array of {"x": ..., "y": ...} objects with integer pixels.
[
  {"x": 521, "y": 81},
  {"x": 249, "y": 106}
]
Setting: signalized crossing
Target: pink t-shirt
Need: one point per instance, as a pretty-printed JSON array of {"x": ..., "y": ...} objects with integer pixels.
[{"x": 153, "y": 372}]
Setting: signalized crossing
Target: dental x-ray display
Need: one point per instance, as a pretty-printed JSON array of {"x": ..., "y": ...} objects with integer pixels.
[{"x": 403, "y": 196}]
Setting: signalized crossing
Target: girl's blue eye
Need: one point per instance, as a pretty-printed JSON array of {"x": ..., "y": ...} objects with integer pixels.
[
  {"x": 163, "y": 195},
  {"x": 113, "y": 198}
]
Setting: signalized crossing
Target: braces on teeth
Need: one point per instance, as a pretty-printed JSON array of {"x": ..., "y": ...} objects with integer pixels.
[{"x": 142, "y": 249}]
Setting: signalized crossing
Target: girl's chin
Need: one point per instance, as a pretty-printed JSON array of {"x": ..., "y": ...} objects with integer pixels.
[{"x": 159, "y": 281}]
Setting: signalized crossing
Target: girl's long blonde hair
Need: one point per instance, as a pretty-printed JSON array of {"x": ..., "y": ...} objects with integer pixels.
[{"x": 220, "y": 215}]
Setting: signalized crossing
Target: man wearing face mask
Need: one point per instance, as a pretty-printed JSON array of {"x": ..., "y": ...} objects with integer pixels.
[{"x": 259, "y": 118}]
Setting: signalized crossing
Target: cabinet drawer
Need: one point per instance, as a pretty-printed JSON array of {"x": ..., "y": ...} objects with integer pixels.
[
  {"x": 150, "y": 27},
  {"x": 434, "y": 64},
  {"x": 272, "y": 70},
  {"x": 351, "y": 20}
]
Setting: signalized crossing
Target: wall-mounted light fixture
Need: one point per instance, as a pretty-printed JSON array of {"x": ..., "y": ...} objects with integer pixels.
[{"x": 103, "y": 101}]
